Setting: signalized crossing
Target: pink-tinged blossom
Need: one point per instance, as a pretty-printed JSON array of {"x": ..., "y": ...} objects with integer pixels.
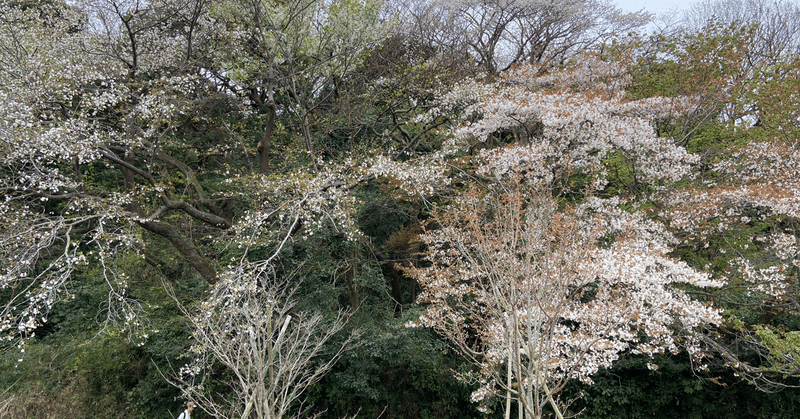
[{"x": 552, "y": 295}]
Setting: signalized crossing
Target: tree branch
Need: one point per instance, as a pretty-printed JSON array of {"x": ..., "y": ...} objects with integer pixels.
[{"x": 185, "y": 247}]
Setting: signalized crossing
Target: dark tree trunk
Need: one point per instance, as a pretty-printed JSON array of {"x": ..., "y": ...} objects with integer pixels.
[{"x": 266, "y": 139}]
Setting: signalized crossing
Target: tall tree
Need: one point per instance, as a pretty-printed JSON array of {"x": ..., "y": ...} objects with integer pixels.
[
  {"x": 100, "y": 160},
  {"x": 299, "y": 50},
  {"x": 778, "y": 24},
  {"x": 500, "y": 34},
  {"x": 536, "y": 291},
  {"x": 535, "y": 295}
]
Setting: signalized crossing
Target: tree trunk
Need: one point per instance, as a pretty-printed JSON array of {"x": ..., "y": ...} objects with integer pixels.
[
  {"x": 266, "y": 139},
  {"x": 130, "y": 183},
  {"x": 309, "y": 143}
]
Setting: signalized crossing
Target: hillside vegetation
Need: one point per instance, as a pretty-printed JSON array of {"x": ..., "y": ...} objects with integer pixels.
[{"x": 425, "y": 209}]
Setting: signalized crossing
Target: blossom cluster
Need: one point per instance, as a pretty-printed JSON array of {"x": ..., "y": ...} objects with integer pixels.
[
  {"x": 570, "y": 290},
  {"x": 574, "y": 117},
  {"x": 66, "y": 102}
]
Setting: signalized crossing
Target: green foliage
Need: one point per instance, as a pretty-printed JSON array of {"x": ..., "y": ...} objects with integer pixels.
[
  {"x": 78, "y": 367},
  {"x": 360, "y": 105},
  {"x": 621, "y": 176},
  {"x": 671, "y": 389},
  {"x": 782, "y": 344},
  {"x": 382, "y": 215},
  {"x": 396, "y": 372},
  {"x": 774, "y": 95},
  {"x": 709, "y": 65},
  {"x": 710, "y": 138},
  {"x": 692, "y": 63}
]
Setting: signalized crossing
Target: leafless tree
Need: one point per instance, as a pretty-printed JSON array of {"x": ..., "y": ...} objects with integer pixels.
[
  {"x": 251, "y": 325},
  {"x": 501, "y": 33}
]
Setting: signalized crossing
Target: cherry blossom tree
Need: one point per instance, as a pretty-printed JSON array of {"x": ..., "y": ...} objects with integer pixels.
[
  {"x": 743, "y": 227},
  {"x": 97, "y": 167},
  {"x": 738, "y": 218},
  {"x": 536, "y": 291},
  {"x": 535, "y": 295},
  {"x": 44, "y": 208},
  {"x": 578, "y": 117},
  {"x": 99, "y": 162}
]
